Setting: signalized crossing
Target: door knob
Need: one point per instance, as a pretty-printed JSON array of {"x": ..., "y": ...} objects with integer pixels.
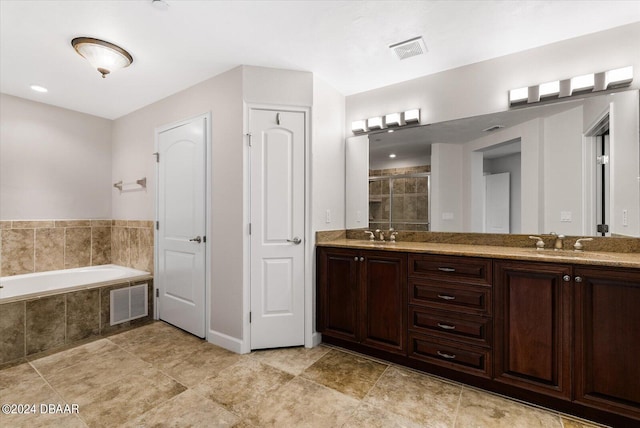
[
  {"x": 196, "y": 239},
  {"x": 295, "y": 240}
]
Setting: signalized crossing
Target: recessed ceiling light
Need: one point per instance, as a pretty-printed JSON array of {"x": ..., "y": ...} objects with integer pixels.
[
  {"x": 39, "y": 88},
  {"x": 392, "y": 155},
  {"x": 390, "y": 130}
]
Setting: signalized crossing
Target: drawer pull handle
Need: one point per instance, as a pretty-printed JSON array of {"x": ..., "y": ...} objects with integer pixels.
[
  {"x": 447, "y": 356},
  {"x": 446, "y": 269},
  {"x": 446, "y": 297},
  {"x": 446, "y": 326}
]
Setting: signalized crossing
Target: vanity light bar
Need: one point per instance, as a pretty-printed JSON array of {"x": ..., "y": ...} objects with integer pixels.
[
  {"x": 358, "y": 126},
  {"x": 390, "y": 120},
  {"x": 374, "y": 123},
  {"x": 592, "y": 82}
]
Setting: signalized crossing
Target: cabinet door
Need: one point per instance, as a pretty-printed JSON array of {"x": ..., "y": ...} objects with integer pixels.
[
  {"x": 608, "y": 339},
  {"x": 533, "y": 326},
  {"x": 384, "y": 301},
  {"x": 338, "y": 309}
]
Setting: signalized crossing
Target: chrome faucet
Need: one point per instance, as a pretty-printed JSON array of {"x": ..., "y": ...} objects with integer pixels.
[
  {"x": 392, "y": 235},
  {"x": 558, "y": 245},
  {"x": 380, "y": 234},
  {"x": 578, "y": 246},
  {"x": 372, "y": 237},
  {"x": 539, "y": 243}
]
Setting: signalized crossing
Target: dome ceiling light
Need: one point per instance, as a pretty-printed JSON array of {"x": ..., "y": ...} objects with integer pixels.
[{"x": 104, "y": 56}]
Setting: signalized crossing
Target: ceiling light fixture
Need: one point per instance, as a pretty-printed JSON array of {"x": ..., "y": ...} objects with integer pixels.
[
  {"x": 358, "y": 126},
  {"x": 39, "y": 88},
  {"x": 392, "y": 155},
  {"x": 160, "y": 4},
  {"x": 104, "y": 56},
  {"x": 374, "y": 123}
]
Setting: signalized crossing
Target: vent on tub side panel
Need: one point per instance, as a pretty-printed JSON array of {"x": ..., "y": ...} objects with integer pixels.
[{"x": 128, "y": 303}]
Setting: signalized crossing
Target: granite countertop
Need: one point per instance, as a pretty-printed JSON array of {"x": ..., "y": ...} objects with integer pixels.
[{"x": 594, "y": 258}]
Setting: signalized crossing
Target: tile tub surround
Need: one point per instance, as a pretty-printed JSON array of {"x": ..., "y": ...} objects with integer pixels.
[
  {"x": 28, "y": 246},
  {"x": 32, "y": 326},
  {"x": 132, "y": 244},
  {"x": 44, "y": 245},
  {"x": 157, "y": 375}
]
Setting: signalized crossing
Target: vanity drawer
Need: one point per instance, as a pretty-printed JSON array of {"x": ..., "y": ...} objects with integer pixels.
[
  {"x": 471, "y": 329},
  {"x": 451, "y": 297},
  {"x": 468, "y": 270},
  {"x": 456, "y": 356}
]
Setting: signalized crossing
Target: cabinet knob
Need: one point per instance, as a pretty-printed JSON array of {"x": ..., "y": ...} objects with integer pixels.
[
  {"x": 578, "y": 279},
  {"x": 566, "y": 278},
  {"x": 355, "y": 259},
  {"x": 361, "y": 259}
]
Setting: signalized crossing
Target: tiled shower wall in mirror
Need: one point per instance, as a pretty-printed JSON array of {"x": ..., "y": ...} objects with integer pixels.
[
  {"x": 399, "y": 198},
  {"x": 28, "y": 246}
]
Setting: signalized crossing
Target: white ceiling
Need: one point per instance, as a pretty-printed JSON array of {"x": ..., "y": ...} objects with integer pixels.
[{"x": 343, "y": 42}]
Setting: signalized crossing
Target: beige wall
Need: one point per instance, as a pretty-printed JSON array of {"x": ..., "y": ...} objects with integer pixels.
[
  {"x": 483, "y": 87},
  {"x": 54, "y": 163}
]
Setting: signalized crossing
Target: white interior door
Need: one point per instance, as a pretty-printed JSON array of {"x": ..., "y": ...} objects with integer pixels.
[
  {"x": 277, "y": 228},
  {"x": 497, "y": 203},
  {"x": 180, "y": 274}
]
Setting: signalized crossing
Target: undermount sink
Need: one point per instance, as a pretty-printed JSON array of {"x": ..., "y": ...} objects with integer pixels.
[{"x": 560, "y": 253}]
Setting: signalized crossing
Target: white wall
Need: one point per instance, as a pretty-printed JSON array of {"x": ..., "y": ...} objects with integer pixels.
[
  {"x": 512, "y": 165},
  {"x": 532, "y": 201},
  {"x": 328, "y": 157},
  {"x": 133, "y": 144},
  {"x": 563, "y": 172},
  {"x": 483, "y": 87},
  {"x": 54, "y": 163},
  {"x": 446, "y": 187}
]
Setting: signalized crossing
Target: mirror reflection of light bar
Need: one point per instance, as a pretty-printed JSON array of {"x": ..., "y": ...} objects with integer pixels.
[
  {"x": 412, "y": 116},
  {"x": 392, "y": 119},
  {"x": 550, "y": 89},
  {"x": 582, "y": 83},
  {"x": 374, "y": 123},
  {"x": 618, "y": 77},
  {"x": 358, "y": 126},
  {"x": 518, "y": 95}
]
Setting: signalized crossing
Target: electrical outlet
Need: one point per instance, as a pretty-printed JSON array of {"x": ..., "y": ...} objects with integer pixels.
[
  {"x": 565, "y": 216},
  {"x": 358, "y": 216},
  {"x": 328, "y": 219},
  {"x": 625, "y": 218},
  {"x": 447, "y": 216}
]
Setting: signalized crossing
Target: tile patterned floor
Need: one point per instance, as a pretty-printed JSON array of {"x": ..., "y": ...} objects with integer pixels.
[{"x": 159, "y": 376}]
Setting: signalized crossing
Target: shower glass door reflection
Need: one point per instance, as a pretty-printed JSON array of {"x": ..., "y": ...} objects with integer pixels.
[{"x": 399, "y": 201}]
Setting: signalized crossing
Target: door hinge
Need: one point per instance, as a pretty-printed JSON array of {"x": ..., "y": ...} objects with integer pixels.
[
  {"x": 157, "y": 225},
  {"x": 248, "y": 134},
  {"x": 157, "y": 292},
  {"x": 249, "y": 317},
  {"x": 603, "y": 228},
  {"x": 602, "y": 160},
  {"x": 249, "y": 228},
  {"x": 157, "y": 155}
]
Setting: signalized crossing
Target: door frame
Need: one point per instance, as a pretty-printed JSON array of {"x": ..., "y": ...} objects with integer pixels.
[
  {"x": 207, "y": 192},
  {"x": 311, "y": 337}
]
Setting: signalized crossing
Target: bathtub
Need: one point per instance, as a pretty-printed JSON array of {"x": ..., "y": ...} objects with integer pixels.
[
  {"x": 48, "y": 310},
  {"x": 34, "y": 285}
]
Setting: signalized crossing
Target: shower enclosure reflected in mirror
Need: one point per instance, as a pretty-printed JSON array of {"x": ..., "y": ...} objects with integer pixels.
[{"x": 571, "y": 167}]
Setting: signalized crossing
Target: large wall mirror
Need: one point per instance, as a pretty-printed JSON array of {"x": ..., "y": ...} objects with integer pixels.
[{"x": 570, "y": 167}]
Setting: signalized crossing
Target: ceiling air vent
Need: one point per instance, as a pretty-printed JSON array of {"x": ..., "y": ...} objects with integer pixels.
[{"x": 409, "y": 48}]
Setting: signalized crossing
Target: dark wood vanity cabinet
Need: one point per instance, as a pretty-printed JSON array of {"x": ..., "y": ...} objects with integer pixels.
[
  {"x": 532, "y": 347},
  {"x": 450, "y": 312},
  {"x": 362, "y": 297},
  {"x": 607, "y": 339},
  {"x": 560, "y": 335}
]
